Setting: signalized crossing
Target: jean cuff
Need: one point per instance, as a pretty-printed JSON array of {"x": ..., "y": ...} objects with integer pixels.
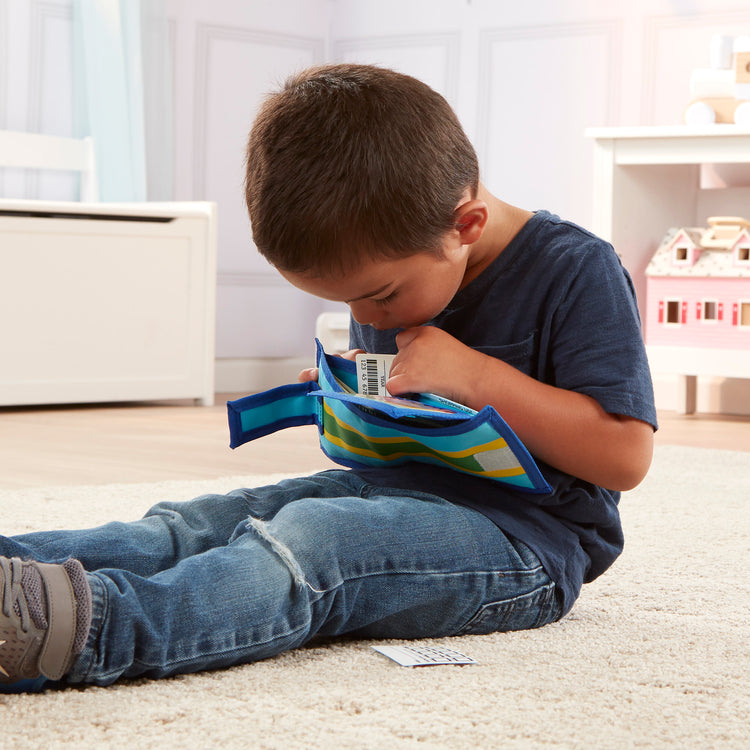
[{"x": 82, "y": 665}]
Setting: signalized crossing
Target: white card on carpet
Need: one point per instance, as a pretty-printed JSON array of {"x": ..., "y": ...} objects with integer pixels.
[{"x": 424, "y": 656}]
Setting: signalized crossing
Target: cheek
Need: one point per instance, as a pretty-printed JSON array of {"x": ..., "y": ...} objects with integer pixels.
[
  {"x": 434, "y": 297},
  {"x": 415, "y": 310}
]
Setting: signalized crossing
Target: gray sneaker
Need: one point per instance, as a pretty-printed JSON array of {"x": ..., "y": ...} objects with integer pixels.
[{"x": 44, "y": 621}]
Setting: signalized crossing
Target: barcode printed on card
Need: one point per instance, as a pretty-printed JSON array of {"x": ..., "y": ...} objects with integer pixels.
[
  {"x": 372, "y": 373},
  {"x": 372, "y": 379},
  {"x": 424, "y": 656}
]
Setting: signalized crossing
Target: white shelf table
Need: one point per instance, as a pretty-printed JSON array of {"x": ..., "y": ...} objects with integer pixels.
[{"x": 648, "y": 179}]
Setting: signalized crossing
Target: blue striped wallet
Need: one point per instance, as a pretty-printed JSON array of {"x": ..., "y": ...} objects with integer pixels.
[{"x": 370, "y": 431}]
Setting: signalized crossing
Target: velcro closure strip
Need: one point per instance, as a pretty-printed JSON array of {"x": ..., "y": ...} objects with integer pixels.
[{"x": 57, "y": 648}]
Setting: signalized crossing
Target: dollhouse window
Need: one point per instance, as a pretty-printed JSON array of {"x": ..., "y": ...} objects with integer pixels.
[
  {"x": 744, "y": 317},
  {"x": 673, "y": 312},
  {"x": 681, "y": 254},
  {"x": 743, "y": 255},
  {"x": 710, "y": 310}
]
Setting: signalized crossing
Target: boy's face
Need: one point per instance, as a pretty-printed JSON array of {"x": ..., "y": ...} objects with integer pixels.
[{"x": 392, "y": 293}]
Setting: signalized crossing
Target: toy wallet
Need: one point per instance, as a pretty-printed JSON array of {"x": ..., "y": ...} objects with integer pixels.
[{"x": 361, "y": 431}]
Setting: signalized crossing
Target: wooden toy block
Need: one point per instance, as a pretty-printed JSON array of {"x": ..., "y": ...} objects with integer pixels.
[{"x": 742, "y": 67}]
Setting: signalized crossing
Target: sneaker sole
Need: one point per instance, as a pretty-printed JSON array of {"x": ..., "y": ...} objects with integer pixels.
[{"x": 24, "y": 686}]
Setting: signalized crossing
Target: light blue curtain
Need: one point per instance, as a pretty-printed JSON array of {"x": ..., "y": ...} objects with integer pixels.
[{"x": 123, "y": 95}]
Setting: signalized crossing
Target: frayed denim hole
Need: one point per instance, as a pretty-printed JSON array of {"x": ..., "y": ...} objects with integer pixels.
[{"x": 284, "y": 553}]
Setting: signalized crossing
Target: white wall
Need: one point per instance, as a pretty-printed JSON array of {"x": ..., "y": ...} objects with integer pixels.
[
  {"x": 227, "y": 56},
  {"x": 525, "y": 78}
]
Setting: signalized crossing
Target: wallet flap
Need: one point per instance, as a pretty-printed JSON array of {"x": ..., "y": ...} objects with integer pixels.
[{"x": 261, "y": 414}]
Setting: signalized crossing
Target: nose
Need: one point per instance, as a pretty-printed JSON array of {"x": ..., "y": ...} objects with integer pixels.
[{"x": 365, "y": 313}]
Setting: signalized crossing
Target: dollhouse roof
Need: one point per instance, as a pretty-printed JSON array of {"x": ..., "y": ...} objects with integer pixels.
[{"x": 711, "y": 261}]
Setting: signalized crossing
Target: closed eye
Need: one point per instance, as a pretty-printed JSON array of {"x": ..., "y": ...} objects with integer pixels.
[{"x": 385, "y": 300}]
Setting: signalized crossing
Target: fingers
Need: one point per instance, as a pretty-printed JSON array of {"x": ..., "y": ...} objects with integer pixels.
[
  {"x": 351, "y": 354},
  {"x": 405, "y": 337},
  {"x": 307, "y": 375},
  {"x": 398, "y": 385},
  {"x": 311, "y": 373}
]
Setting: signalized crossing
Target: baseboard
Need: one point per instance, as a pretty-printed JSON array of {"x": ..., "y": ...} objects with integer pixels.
[
  {"x": 257, "y": 374},
  {"x": 714, "y": 395}
]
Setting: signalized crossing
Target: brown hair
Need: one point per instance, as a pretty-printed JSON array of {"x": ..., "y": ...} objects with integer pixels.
[{"x": 349, "y": 162}]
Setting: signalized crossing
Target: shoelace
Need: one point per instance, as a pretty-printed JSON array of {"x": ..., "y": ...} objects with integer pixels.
[{"x": 13, "y": 597}]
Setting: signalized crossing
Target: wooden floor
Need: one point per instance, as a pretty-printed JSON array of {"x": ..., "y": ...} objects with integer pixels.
[{"x": 69, "y": 445}]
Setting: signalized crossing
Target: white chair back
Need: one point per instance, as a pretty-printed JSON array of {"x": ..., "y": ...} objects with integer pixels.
[{"x": 36, "y": 151}]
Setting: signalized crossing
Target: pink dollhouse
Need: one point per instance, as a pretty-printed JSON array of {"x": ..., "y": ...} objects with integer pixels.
[{"x": 698, "y": 303}]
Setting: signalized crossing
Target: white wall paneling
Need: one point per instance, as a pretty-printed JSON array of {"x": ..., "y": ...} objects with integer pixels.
[
  {"x": 258, "y": 62},
  {"x": 433, "y": 58},
  {"x": 526, "y": 80},
  {"x": 37, "y": 87},
  {"x": 3, "y": 67},
  {"x": 540, "y": 86},
  {"x": 50, "y": 103}
]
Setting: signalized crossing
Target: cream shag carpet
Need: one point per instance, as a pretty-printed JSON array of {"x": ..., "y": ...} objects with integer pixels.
[{"x": 654, "y": 654}]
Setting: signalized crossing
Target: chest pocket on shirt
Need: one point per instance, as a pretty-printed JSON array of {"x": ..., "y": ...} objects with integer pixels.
[{"x": 522, "y": 355}]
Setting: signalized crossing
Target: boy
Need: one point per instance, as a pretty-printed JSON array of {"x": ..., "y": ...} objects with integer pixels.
[{"x": 362, "y": 188}]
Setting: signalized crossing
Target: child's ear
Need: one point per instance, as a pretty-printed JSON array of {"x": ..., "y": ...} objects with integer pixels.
[{"x": 471, "y": 219}]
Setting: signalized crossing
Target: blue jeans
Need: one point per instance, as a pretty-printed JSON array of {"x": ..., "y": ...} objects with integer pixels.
[{"x": 226, "y": 579}]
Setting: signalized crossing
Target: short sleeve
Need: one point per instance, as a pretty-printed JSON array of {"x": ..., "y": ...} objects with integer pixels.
[{"x": 596, "y": 341}]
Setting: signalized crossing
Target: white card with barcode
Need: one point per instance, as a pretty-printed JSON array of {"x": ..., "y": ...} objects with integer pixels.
[
  {"x": 372, "y": 373},
  {"x": 424, "y": 656}
]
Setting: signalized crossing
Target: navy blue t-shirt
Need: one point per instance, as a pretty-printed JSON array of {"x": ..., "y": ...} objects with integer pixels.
[{"x": 557, "y": 305}]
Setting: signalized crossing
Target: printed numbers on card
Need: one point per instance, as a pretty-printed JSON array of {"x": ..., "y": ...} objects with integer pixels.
[
  {"x": 424, "y": 656},
  {"x": 372, "y": 373}
]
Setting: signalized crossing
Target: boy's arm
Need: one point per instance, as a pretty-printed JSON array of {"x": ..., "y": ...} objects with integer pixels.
[{"x": 565, "y": 429}]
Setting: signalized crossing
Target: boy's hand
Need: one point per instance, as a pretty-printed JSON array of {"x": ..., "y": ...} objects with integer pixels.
[
  {"x": 431, "y": 360},
  {"x": 312, "y": 373}
]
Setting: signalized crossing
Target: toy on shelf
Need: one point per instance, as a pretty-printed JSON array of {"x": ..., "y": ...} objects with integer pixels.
[
  {"x": 721, "y": 93},
  {"x": 698, "y": 304}
]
